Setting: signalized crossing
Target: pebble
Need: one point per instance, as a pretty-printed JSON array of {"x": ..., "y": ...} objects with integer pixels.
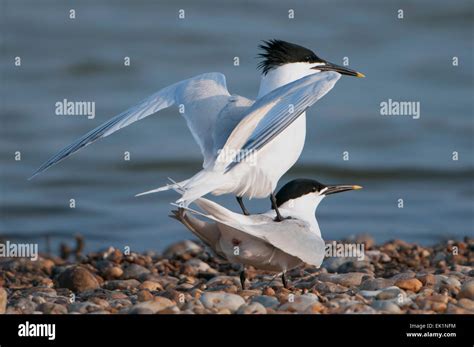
[
  {"x": 144, "y": 295},
  {"x": 3, "y": 300},
  {"x": 151, "y": 286},
  {"x": 113, "y": 272},
  {"x": 386, "y": 306},
  {"x": 467, "y": 290},
  {"x": 376, "y": 284},
  {"x": 52, "y": 308},
  {"x": 391, "y": 293},
  {"x": 253, "y": 308},
  {"x": 122, "y": 284},
  {"x": 221, "y": 300},
  {"x": 411, "y": 284},
  {"x": 199, "y": 265},
  {"x": 78, "y": 279},
  {"x": 299, "y": 303},
  {"x": 468, "y": 304},
  {"x": 181, "y": 248},
  {"x": 266, "y": 301},
  {"x": 134, "y": 271},
  {"x": 350, "y": 279},
  {"x": 152, "y": 306}
]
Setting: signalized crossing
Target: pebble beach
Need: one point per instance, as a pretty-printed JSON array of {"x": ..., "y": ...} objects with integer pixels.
[{"x": 395, "y": 278}]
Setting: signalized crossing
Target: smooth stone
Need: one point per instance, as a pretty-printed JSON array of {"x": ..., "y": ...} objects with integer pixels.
[
  {"x": 198, "y": 265},
  {"x": 180, "y": 248},
  {"x": 151, "y": 286},
  {"x": 3, "y": 300},
  {"x": 403, "y": 276},
  {"x": 332, "y": 264},
  {"x": 468, "y": 304},
  {"x": 144, "y": 295},
  {"x": 221, "y": 300},
  {"x": 350, "y": 279},
  {"x": 52, "y": 308},
  {"x": 83, "y": 307},
  {"x": 390, "y": 293},
  {"x": 327, "y": 287},
  {"x": 370, "y": 293},
  {"x": 376, "y": 284},
  {"x": 467, "y": 290},
  {"x": 253, "y": 308},
  {"x": 78, "y": 279},
  {"x": 266, "y": 301},
  {"x": 157, "y": 304},
  {"x": 411, "y": 284},
  {"x": 113, "y": 272},
  {"x": 299, "y": 303},
  {"x": 386, "y": 306},
  {"x": 122, "y": 284},
  {"x": 134, "y": 271},
  {"x": 223, "y": 280},
  {"x": 25, "y": 306}
]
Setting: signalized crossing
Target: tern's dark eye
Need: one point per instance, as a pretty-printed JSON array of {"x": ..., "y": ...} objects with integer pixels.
[
  {"x": 308, "y": 58},
  {"x": 314, "y": 189}
]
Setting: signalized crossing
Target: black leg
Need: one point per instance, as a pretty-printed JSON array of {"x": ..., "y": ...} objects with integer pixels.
[
  {"x": 242, "y": 206},
  {"x": 242, "y": 278},
  {"x": 283, "y": 279},
  {"x": 278, "y": 218}
]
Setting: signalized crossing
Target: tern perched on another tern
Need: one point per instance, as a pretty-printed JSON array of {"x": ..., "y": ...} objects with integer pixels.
[
  {"x": 256, "y": 239},
  {"x": 230, "y": 128}
]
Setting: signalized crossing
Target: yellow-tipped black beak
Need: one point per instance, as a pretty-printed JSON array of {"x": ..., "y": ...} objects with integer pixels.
[
  {"x": 340, "y": 69},
  {"x": 339, "y": 189}
]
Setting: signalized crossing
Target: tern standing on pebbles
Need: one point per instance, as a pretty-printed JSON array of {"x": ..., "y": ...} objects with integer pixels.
[
  {"x": 258, "y": 240},
  {"x": 247, "y": 145}
]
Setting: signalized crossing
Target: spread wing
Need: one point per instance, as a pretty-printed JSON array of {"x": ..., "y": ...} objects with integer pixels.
[
  {"x": 274, "y": 112},
  {"x": 202, "y": 98}
]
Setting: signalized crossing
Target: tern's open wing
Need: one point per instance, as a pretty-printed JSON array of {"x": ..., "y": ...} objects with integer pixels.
[
  {"x": 292, "y": 236},
  {"x": 274, "y": 112},
  {"x": 202, "y": 97}
]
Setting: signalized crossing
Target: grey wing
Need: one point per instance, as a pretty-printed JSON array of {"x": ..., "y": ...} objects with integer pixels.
[
  {"x": 235, "y": 110},
  {"x": 202, "y": 97},
  {"x": 289, "y": 102},
  {"x": 292, "y": 236}
]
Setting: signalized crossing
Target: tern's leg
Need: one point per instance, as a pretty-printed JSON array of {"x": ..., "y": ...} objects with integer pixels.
[
  {"x": 242, "y": 206},
  {"x": 278, "y": 218},
  {"x": 242, "y": 278},
  {"x": 283, "y": 279}
]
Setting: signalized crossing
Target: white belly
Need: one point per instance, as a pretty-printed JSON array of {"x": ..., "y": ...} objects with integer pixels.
[{"x": 259, "y": 177}]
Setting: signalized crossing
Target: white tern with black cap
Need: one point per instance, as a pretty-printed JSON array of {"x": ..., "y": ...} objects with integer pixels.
[
  {"x": 257, "y": 239},
  {"x": 272, "y": 129}
]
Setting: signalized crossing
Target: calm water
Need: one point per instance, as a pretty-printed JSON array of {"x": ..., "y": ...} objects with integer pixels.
[{"x": 82, "y": 59}]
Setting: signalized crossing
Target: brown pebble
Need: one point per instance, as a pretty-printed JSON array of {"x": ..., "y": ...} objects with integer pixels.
[
  {"x": 427, "y": 280},
  {"x": 268, "y": 291},
  {"x": 151, "y": 286},
  {"x": 144, "y": 295},
  {"x": 77, "y": 279},
  {"x": 411, "y": 284}
]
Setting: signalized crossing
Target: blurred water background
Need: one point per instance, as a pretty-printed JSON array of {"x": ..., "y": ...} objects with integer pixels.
[{"x": 82, "y": 60}]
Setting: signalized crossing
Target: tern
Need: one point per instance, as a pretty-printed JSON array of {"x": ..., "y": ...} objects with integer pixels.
[
  {"x": 258, "y": 240},
  {"x": 247, "y": 145}
]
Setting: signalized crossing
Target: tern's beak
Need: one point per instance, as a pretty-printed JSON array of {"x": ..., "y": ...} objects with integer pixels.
[
  {"x": 341, "y": 69},
  {"x": 339, "y": 189}
]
